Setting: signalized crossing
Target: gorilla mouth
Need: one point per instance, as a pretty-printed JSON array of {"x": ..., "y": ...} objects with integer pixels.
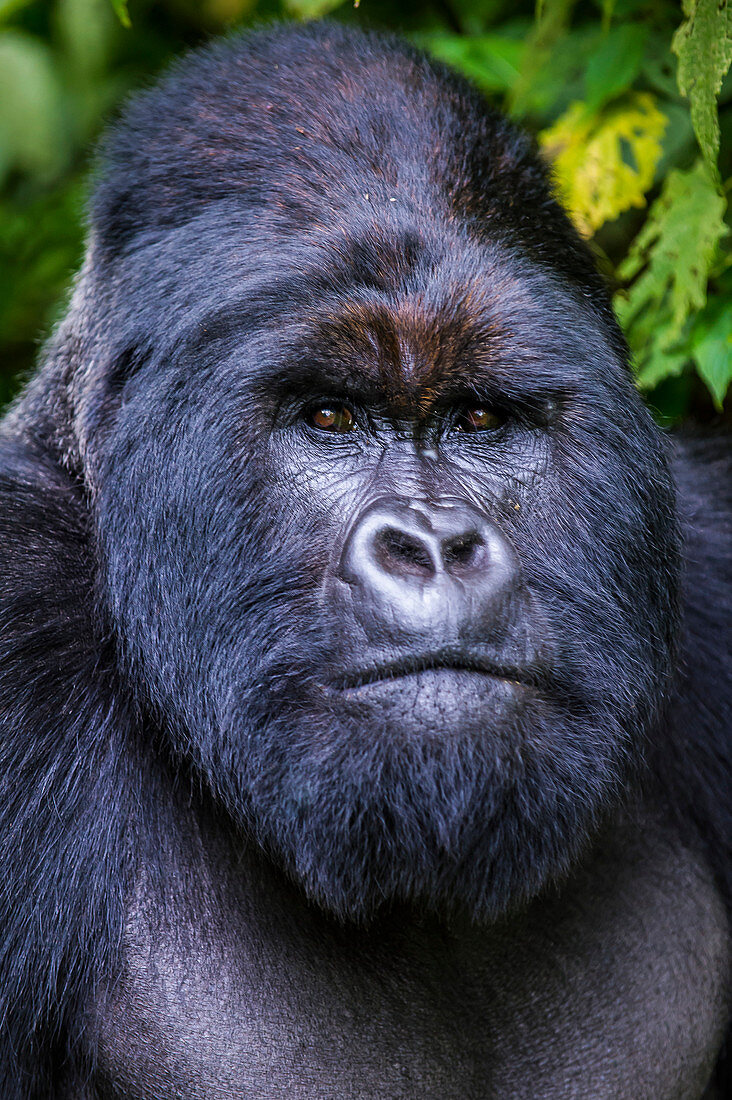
[{"x": 416, "y": 666}]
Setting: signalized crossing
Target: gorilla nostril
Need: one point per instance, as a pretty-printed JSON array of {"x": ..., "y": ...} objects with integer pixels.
[
  {"x": 462, "y": 551},
  {"x": 400, "y": 552}
]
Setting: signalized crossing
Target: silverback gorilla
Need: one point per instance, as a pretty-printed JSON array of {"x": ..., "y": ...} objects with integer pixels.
[{"x": 365, "y": 677}]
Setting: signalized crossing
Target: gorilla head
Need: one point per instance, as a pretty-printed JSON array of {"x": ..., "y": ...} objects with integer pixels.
[{"x": 382, "y": 557}]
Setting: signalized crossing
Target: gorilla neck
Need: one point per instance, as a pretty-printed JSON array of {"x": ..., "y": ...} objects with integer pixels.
[{"x": 229, "y": 976}]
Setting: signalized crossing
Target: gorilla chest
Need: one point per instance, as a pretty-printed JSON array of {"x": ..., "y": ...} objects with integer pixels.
[{"x": 612, "y": 988}]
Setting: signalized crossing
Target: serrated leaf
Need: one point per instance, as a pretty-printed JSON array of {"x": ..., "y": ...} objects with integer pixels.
[
  {"x": 659, "y": 363},
  {"x": 120, "y": 10},
  {"x": 674, "y": 252},
  {"x": 703, "y": 46},
  {"x": 712, "y": 349},
  {"x": 669, "y": 264},
  {"x": 655, "y": 355},
  {"x": 605, "y": 162}
]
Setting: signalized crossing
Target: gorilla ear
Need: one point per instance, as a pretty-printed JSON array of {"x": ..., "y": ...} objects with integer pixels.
[
  {"x": 96, "y": 380},
  {"x": 123, "y": 367}
]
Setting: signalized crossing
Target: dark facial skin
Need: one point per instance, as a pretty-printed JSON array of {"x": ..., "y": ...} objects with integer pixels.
[{"x": 408, "y": 698}]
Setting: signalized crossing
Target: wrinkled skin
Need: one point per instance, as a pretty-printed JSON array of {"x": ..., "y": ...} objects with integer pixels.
[
  {"x": 381, "y": 628},
  {"x": 542, "y": 721}
]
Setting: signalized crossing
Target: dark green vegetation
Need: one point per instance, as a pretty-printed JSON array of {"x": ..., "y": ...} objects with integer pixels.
[{"x": 629, "y": 98}]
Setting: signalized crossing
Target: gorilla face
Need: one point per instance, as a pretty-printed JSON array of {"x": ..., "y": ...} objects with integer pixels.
[
  {"x": 388, "y": 539},
  {"x": 394, "y": 569}
]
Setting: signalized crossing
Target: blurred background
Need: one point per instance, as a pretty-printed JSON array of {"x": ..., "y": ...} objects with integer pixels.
[{"x": 630, "y": 100}]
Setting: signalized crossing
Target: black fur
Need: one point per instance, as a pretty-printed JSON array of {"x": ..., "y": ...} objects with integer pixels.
[{"x": 169, "y": 527}]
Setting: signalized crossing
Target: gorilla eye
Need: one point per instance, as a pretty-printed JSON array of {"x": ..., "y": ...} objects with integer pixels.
[
  {"x": 331, "y": 418},
  {"x": 477, "y": 418}
]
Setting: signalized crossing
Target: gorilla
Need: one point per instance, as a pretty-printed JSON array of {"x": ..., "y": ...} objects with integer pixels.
[{"x": 366, "y": 683}]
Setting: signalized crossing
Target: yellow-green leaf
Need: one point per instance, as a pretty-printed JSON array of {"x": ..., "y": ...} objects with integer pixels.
[
  {"x": 608, "y": 8},
  {"x": 605, "y": 162},
  {"x": 120, "y": 9},
  {"x": 310, "y": 9},
  {"x": 703, "y": 46}
]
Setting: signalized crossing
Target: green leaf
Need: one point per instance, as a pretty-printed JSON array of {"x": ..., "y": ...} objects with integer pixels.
[
  {"x": 551, "y": 15},
  {"x": 552, "y": 78},
  {"x": 608, "y": 7},
  {"x": 87, "y": 31},
  {"x": 703, "y": 46},
  {"x": 712, "y": 348},
  {"x": 656, "y": 355},
  {"x": 613, "y": 67},
  {"x": 661, "y": 363},
  {"x": 33, "y": 137},
  {"x": 543, "y": 45},
  {"x": 120, "y": 10},
  {"x": 310, "y": 9},
  {"x": 674, "y": 252},
  {"x": 489, "y": 59},
  {"x": 668, "y": 268},
  {"x": 475, "y": 16}
]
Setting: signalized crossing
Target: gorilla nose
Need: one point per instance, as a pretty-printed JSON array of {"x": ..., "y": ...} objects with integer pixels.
[
  {"x": 397, "y": 550},
  {"x": 426, "y": 567}
]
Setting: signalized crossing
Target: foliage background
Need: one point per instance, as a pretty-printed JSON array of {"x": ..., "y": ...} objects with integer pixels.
[{"x": 630, "y": 99}]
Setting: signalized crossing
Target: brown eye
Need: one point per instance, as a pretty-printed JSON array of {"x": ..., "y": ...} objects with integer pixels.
[
  {"x": 477, "y": 418},
  {"x": 332, "y": 418}
]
